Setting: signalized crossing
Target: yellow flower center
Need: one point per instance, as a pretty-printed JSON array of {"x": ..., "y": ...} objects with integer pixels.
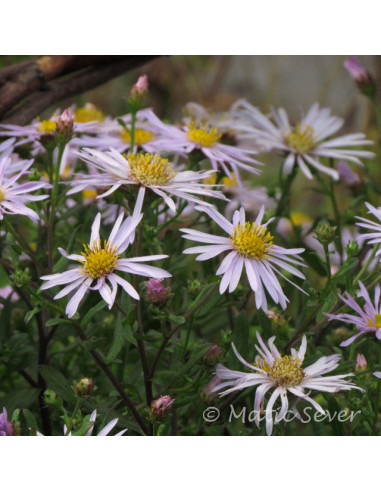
[
  {"x": 285, "y": 371},
  {"x": 141, "y": 136},
  {"x": 376, "y": 323},
  {"x": 204, "y": 135},
  {"x": 99, "y": 261},
  {"x": 300, "y": 218},
  {"x": 89, "y": 112},
  {"x": 89, "y": 194},
  {"x": 301, "y": 139},
  {"x": 2, "y": 193},
  {"x": 150, "y": 170},
  {"x": 229, "y": 181},
  {"x": 47, "y": 126},
  {"x": 252, "y": 240}
]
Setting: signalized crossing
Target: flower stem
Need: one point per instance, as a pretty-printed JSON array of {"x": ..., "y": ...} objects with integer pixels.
[
  {"x": 132, "y": 131},
  {"x": 336, "y": 213},
  {"x": 366, "y": 264}
]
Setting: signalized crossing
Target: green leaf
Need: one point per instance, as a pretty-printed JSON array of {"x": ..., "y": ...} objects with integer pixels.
[
  {"x": 327, "y": 306},
  {"x": 177, "y": 320},
  {"x": 92, "y": 312},
  {"x": 56, "y": 381},
  {"x": 30, "y": 418},
  {"x": 240, "y": 338},
  {"x": 57, "y": 321},
  {"x": 29, "y": 315},
  {"x": 117, "y": 343}
]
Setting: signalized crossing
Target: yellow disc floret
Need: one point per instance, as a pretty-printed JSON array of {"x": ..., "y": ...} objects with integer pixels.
[
  {"x": 301, "y": 139},
  {"x": 47, "y": 126},
  {"x": 285, "y": 371},
  {"x": 141, "y": 136},
  {"x": 204, "y": 135},
  {"x": 252, "y": 240},
  {"x": 376, "y": 323},
  {"x": 99, "y": 261},
  {"x": 2, "y": 193},
  {"x": 150, "y": 170},
  {"x": 87, "y": 113}
]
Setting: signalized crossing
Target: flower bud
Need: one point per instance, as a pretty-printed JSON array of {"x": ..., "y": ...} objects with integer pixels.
[
  {"x": 194, "y": 288},
  {"x": 6, "y": 427},
  {"x": 209, "y": 393},
  {"x": 161, "y": 407},
  {"x": 361, "y": 364},
  {"x": 360, "y": 75},
  {"x": 347, "y": 176},
  {"x": 64, "y": 128},
  {"x": 325, "y": 233},
  {"x": 212, "y": 356},
  {"x": 155, "y": 292},
  {"x": 277, "y": 319},
  {"x": 352, "y": 248},
  {"x": 138, "y": 94},
  {"x": 21, "y": 278},
  {"x": 84, "y": 387}
]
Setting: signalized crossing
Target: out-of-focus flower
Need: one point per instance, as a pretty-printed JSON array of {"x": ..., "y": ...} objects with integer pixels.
[
  {"x": 14, "y": 196},
  {"x": 361, "y": 364},
  {"x": 360, "y": 75},
  {"x": 99, "y": 262},
  {"x": 347, "y": 176},
  {"x": 210, "y": 392},
  {"x": 306, "y": 141},
  {"x": 6, "y": 427},
  {"x": 367, "y": 319},
  {"x": 213, "y": 355},
  {"x": 6, "y": 293},
  {"x": 147, "y": 171},
  {"x": 156, "y": 292},
  {"x": 283, "y": 374},
  {"x": 161, "y": 407},
  {"x": 375, "y": 237},
  {"x": 249, "y": 245}
]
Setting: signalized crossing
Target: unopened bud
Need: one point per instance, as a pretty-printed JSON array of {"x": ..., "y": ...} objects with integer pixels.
[
  {"x": 138, "y": 94},
  {"x": 361, "y": 364},
  {"x": 64, "y": 128},
  {"x": 84, "y": 387},
  {"x": 209, "y": 392},
  {"x": 155, "y": 292},
  {"x": 161, "y": 407},
  {"x": 21, "y": 278},
  {"x": 347, "y": 176},
  {"x": 352, "y": 248},
  {"x": 212, "y": 356},
  {"x": 194, "y": 288},
  {"x": 360, "y": 75},
  {"x": 277, "y": 319},
  {"x": 325, "y": 233},
  {"x": 6, "y": 427}
]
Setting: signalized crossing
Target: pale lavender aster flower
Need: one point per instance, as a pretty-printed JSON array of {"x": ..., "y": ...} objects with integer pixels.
[
  {"x": 367, "y": 318},
  {"x": 6, "y": 428},
  {"x": 99, "y": 262},
  {"x": 357, "y": 71},
  {"x": 249, "y": 245},
  {"x": 147, "y": 171},
  {"x": 283, "y": 374},
  {"x": 307, "y": 141},
  {"x": 14, "y": 196},
  {"x": 374, "y": 226},
  {"x": 347, "y": 175}
]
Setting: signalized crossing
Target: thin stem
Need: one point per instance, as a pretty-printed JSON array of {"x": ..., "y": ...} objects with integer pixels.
[
  {"x": 69, "y": 427},
  {"x": 328, "y": 263},
  {"x": 283, "y": 208},
  {"x": 366, "y": 264},
  {"x": 18, "y": 237},
  {"x": 377, "y": 399},
  {"x": 132, "y": 131},
  {"x": 336, "y": 213}
]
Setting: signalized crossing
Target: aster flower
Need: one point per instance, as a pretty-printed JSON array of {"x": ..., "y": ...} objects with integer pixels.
[
  {"x": 6, "y": 427},
  {"x": 249, "y": 245},
  {"x": 307, "y": 141},
  {"x": 203, "y": 137},
  {"x": 367, "y": 318},
  {"x": 147, "y": 171},
  {"x": 98, "y": 263},
  {"x": 14, "y": 196},
  {"x": 359, "y": 74},
  {"x": 373, "y": 226},
  {"x": 283, "y": 374}
]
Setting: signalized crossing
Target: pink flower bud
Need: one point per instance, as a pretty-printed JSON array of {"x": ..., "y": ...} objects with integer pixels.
[
  {"x": 156, "y": 293},
  {"x": 360, "y": 75},
  {"x": 84, "y": 387},
  {"x": 161, "y": 407},
  {"x": 140, "y": 88},
  {"x": 65, "y": 125},
  {"x": 361, "y": 364},
  {"x": 347, "y": 175},
  {"x": 213, "y": 355},
  {"x": 6, "y": 427}
]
